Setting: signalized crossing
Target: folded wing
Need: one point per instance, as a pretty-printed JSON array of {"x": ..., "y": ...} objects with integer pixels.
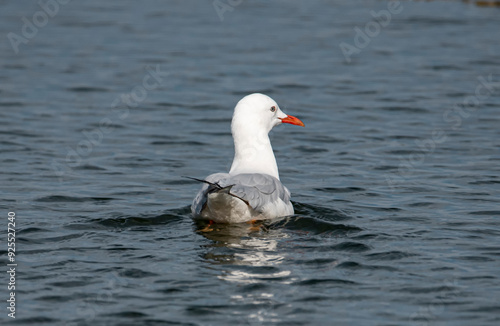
[{"x": 264, "y": 195}]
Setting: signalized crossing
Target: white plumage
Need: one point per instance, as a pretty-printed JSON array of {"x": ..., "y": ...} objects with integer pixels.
[{"x": 252, "y": 189}]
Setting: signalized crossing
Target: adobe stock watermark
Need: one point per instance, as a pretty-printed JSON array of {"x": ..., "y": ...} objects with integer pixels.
[
  {"x": 48, "y": 9},
  {"x": 425, "y": 315},
  {"x": 121, "y": 106},
  {"x": 454, "y": 116},
  {"x": 222, "y": 6},
  {"x": 372, "y": 29},
  {"x": 89, "y": 309}
]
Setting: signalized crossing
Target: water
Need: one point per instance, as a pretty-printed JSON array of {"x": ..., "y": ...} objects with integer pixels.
[{"x": 396, "y": 188}]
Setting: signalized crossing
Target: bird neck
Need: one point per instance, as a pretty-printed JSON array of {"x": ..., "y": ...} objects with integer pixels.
[{"x": 253, "y": 153}]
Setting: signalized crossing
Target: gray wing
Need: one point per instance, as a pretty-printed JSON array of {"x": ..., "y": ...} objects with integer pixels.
[
  {"x": 201, "y": 198},
  {"x": 256, "y": 189}
]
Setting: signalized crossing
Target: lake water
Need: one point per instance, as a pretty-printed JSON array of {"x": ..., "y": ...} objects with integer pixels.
[{"x": 395, "y": 179}]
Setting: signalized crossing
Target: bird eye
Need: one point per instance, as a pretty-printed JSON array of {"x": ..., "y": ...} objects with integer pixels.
[{"x": 273, "y": 109}]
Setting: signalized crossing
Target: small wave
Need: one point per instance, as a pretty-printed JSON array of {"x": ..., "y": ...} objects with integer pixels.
[
  {"x": 85, "y": 89},
  {"x": 168, "y": 217},
  {"x": 58, "y": 198}
]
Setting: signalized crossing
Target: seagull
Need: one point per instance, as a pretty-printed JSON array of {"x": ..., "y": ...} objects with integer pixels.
[{"x": 252, "y": 189}]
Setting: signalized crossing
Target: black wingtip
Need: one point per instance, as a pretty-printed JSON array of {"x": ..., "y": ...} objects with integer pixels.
[
  {"x": 204, "y": 181},
  {"x": 218, "y": 188}
]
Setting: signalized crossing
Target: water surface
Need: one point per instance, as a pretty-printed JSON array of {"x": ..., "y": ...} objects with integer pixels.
[{"x": 396, "y": 190}]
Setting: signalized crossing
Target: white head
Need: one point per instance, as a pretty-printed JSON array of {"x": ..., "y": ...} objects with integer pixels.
[
  {"x": 254, "y": 117},
  {"x": 259, "y": 112}
]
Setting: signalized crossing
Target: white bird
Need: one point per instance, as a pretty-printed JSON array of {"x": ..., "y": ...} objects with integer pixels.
[{"x": 252, "y": 189}]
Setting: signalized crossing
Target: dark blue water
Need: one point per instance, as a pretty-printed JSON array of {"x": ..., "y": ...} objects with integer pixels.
[{"x": 395, "y": 179}]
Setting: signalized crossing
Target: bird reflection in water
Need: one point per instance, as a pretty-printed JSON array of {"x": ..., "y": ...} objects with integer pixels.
[
  {"x": 250, "y": 252},
  {"x": 250, "y": 256}
]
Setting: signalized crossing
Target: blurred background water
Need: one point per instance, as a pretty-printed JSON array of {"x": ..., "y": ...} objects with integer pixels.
[{"x": 395, "y": 179}]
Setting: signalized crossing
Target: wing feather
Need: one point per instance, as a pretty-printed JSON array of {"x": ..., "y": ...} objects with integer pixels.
[{"x": 255, "y": 189}]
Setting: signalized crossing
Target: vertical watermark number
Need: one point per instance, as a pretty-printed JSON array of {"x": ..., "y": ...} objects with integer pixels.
[{"x": 11, "y": 265}]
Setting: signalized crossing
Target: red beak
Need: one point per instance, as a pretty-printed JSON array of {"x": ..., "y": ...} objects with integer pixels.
[{"x": 292, "y": 120}]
